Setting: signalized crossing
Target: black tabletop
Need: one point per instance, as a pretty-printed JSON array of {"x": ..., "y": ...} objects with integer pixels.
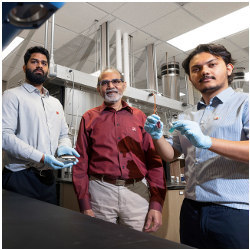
[{"x": 30, "y": 223}]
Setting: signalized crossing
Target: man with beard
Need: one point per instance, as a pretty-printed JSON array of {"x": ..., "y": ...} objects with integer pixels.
[
  {"x": 34, "y": 128},
  {"x": 119, "y": 177},
  {"x": 214, "y": 137}
]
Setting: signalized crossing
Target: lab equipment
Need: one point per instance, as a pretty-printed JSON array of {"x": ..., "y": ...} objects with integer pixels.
[
  {"x": 66, "y": 159},
  {"x": 24, "y": 15}
]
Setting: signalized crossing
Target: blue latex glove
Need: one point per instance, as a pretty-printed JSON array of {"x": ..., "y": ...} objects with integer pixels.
[
  {"x": 65, "y": 150},
  {"x": 52, "y": 162},
  {"x": 193, "y": 132},
  {"x": 154, "y": 126}
]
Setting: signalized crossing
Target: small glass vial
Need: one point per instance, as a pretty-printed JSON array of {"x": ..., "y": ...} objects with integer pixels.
[
  {"x": 172, "y": 179},
  {"x": 177, "y": 179},
  {"x": 183, "y": 178}
]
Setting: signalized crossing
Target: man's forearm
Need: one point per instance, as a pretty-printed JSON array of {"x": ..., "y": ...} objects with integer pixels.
[
  {"x": 19, "y": 149},
  {"x": 165, "y": 150},
  {"x": 235, "y": 150}
]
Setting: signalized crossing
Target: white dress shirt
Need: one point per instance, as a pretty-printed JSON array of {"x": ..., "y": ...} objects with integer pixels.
[{"x": 32, "y": 125}]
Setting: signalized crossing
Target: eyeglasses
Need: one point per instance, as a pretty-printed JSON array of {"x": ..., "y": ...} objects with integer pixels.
[{"x": 115, "y": 82}]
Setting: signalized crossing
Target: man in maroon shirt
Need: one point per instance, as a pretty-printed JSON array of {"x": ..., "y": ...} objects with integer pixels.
[{"x": 119, "y": 177}]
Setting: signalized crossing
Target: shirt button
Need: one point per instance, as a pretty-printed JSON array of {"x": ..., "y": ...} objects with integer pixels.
[
  {"x": 119, "y": 138},
  {"x": 123, "y": 167},
  {"x": 118, "y": 124}
]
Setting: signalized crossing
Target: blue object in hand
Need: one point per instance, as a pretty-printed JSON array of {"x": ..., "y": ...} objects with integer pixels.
[
  {"x": 193, "y": 132},
  {"x": 52, "y": 162},
  {"x": 171, "y": 130},
  {"x": 154, "y": 126}
]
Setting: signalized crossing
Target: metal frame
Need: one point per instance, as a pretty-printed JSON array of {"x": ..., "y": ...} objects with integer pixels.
[{"x": 88, "y": 83}]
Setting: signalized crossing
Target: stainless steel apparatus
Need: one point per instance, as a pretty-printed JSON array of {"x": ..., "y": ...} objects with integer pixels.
[{"x": 170, "y": 73}]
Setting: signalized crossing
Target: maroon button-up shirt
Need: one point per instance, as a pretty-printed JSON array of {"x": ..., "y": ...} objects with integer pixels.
[{"x": 115, "y": 144}]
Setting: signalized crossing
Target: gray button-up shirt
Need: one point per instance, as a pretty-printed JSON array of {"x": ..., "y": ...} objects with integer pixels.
[{"x": 32, "y": 125}]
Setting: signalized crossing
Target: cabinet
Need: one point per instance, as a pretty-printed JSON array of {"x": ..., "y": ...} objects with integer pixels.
[
  {"x": 170, "y": 216},
  {"x": 68, "y": 196}
]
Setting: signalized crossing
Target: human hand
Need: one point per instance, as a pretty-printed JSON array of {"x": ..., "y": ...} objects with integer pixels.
[
  {"x": 193, "y": 132},
  {"x": 52, "y": 162},
  {"x": 153, "y": 221},
  {"x": 154, "y": 126},
  {"x": 89, "y": 212},
  {"x": 65, "y": 150}
]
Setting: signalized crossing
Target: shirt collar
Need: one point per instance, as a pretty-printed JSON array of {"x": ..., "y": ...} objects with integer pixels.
[
  {"x": 124, "y": 106},
  {"x": 218, "y": 99},
  {"x": 30, "y": 88}
]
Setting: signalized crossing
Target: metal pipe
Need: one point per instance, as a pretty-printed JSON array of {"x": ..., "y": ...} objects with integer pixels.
[
  {"x": 126, "y": 58},
  {"x": 104, "y": 46},
  {"x": 155, "y": 69},
  {"x": 46, "y": 34},
  {"x": 131, "y": 53},
  {"x": 151, "y": 67},
  {"x": 99, "y": 52},
  {"x": 52, "y": 40},
  {"x": 118, "y": 50}
]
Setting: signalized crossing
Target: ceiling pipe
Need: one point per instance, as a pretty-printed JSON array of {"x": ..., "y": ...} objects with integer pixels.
[
  {"x": 52, "y": 39},
  {"x": 52, "y": 69},
  {"x": 118, "y": 50},
  {"x": 104, "y": 45},
  {"x": 131, "y": 53},
  {"x": 126, "y": 58},
  {"x": 46, "y": 35},
  {"x": 151, "y": 71}
]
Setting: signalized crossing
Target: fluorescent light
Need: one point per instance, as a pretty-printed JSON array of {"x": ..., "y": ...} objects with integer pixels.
[
  {"x": 12, "y": 46},
  {"x": 182, "y": 94},
  {"x": 217, "y": 29},
  {"x": 97, "y": 73}
]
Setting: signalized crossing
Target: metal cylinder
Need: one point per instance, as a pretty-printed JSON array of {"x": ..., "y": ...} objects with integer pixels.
[
  {"x": 170, "y": 74},
  {"x": 118, "y": 50},
  {"x": 239, "y": 78},
  {"x": 126, "y": 58}
]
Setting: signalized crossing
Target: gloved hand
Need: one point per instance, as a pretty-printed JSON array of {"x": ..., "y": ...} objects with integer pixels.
[
  {"x": 65, "y": 150},
  {"x": 154, "y": 126},
  {"x": 52, "y": 162},
  {"x": 193, "y": 132}
]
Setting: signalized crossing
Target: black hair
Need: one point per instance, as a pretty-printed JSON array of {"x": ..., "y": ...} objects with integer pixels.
[
  {"x": 214, "y": 49},
  {"x": 112, "y": 69},
  {"x": 36, "y": 49}
]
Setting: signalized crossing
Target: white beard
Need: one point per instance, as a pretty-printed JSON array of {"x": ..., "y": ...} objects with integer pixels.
[{"x": 112, "y": 98}]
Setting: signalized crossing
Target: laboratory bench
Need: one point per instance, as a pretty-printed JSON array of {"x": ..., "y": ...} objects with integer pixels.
[{"x": 31, "y": 224}]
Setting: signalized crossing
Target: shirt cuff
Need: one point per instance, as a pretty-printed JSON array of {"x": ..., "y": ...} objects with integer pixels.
[
  {"x": 36, "y": 155},
  {"x": 84, "y": 204},
  {"x": 155, "y": 205}
]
